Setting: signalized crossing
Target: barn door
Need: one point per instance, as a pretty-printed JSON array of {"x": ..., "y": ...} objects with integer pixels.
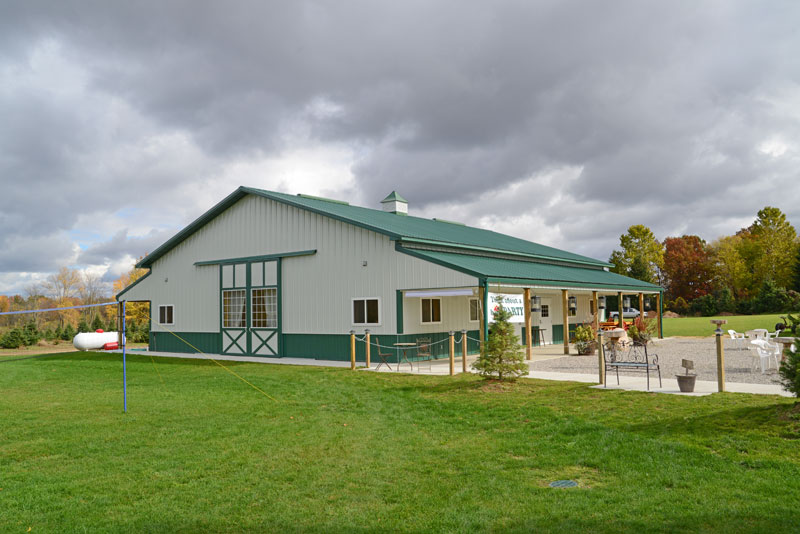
[
  {"x": 249, "y": 308},
  {"x": 263, "y": 331}
]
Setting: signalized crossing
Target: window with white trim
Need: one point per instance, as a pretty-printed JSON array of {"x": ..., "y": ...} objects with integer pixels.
[
  {"x": 366, "y": 311},
  {"x": 234, "y": 308},
  {"x": 166, "y": 314},
  {"x": 431, "y": 311},
  {"x": 265, "y": 308},
  {"x": 474, "y": 311}
]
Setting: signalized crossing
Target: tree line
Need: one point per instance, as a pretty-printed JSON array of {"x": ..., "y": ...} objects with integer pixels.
[
  {"x": 63, "y": 289},
  {"x": 755, "y": 270}
]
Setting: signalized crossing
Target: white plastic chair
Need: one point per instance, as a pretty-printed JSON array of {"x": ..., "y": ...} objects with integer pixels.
[
  {"x": 737, "y": 337},
  {"x": 765, "y": 351}
]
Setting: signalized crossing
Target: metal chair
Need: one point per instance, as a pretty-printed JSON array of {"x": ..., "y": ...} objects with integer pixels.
[
  {"x": 382, "y": 355},
  {"x": 424, "y": 352}
]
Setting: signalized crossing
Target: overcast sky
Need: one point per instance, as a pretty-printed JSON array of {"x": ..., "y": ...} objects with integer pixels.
[{"x": 560, "y": 122}]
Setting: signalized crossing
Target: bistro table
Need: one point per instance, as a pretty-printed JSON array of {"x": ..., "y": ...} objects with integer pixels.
[{"x": 405, "y": 347}]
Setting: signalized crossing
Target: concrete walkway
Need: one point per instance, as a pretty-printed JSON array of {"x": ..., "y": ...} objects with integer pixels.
[{"x": 442, "y": 368}]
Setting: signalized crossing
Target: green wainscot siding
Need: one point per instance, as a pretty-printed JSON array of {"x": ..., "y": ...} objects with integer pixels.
[
  {"x": 558, "y": 333},
  {"x": 189, "y": 342},
  {"x": 536, "y": 337},
  {"x": 337, "y": 346}
]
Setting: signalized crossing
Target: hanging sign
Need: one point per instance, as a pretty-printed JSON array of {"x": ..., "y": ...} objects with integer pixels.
[{"x": 511, "y": 302}]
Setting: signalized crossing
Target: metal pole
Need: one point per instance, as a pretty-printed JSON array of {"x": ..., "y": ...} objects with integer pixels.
[
  {"x": 124, "y": 366},
  {"x": 463, "y": 351},
  {"x": 720, "y": 362}
]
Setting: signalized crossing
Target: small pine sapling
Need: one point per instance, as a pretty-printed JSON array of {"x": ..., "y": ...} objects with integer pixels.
[
  {"x": 790, "y": 370},
  {"x": 502, "y": 356}
]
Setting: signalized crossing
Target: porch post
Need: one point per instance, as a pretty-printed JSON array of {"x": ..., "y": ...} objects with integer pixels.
[
  {"x": 565, "y": 317},
  {"x": 526, "y": 301},
  {"x": 641, "y": 305},
  {"x": 619, "y": 307},
  {"x": 660, "y": 306},
  {"x": 481, "y": 316},
  {"x": 596, "y": 312}
]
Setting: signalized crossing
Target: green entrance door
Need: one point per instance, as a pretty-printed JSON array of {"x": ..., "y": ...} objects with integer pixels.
[{"x": 249, "y": 308}]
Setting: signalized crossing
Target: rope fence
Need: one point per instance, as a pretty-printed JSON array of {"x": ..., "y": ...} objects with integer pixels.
[{"x": 418, "y": 343}]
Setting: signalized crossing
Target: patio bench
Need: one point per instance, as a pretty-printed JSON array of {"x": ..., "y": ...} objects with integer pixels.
[{"x": 630, "y": 357}]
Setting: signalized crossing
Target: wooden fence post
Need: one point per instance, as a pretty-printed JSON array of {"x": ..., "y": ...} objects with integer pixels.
[
  {"x": 720, "y": 354},
  {"x": 366, "y": 335}
]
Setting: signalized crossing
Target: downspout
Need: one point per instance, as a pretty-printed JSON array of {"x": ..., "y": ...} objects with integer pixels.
[{"x": 485, "y": 286}]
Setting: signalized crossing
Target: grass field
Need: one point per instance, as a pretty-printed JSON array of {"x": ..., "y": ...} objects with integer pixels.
[
  {"x": 701, "y": 326},
  {"x": 342, "y": 451}
]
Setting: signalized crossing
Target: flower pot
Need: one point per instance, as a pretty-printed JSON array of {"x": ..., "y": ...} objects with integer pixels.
[{"x": 686, "y": 382}]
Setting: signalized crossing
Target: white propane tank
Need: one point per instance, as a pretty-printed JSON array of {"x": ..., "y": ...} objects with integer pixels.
[{"x": 93, "y": 340}]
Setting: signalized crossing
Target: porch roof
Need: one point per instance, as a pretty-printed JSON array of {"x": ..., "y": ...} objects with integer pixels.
[{"x": 531, "y": 273}]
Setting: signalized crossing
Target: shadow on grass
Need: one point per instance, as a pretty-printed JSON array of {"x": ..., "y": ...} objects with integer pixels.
[{"x": 133, "y": 357}]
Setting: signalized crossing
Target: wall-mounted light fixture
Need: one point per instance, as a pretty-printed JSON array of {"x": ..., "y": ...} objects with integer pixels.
[
  {"x": 536, "y": 304},
  {"x": 601, "y": 303},
  {"x": 627, "y": 302},
  {"x": 573, "y": 303}
]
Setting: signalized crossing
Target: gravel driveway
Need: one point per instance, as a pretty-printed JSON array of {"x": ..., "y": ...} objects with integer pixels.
[{"x": 738, "y": 363}]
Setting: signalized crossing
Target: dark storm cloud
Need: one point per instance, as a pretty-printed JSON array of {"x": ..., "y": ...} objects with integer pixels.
[{"x": 657, "y": 108}]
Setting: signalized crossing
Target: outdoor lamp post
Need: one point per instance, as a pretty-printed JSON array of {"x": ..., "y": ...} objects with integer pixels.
[{"x": 720, "y": 354}]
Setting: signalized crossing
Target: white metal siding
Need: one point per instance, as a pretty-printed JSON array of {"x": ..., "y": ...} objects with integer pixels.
[{"x": 316, "y": 290}]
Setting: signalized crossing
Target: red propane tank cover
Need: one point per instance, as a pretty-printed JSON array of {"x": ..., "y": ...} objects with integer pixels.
[
  {"x": 99, "y": 330},
  {"x": 111, "y": 346}
]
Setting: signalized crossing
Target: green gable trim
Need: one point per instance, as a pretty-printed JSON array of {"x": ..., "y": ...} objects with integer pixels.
[
  {"x": 265, "y": 257},
  {"x": 133, "y": 284},
  {"x": 312, "y": 197}
]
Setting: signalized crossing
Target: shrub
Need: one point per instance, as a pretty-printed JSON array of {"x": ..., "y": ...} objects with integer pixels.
[
  {"x": 502, "y": 355},
  {"x": 13, "y": 339},
  {"x": 790, "y": 370},
  {"x": 705, "y": 305},
  {"x": 680, "y": 306},
  {"x": 768, "y": 299},
  {"x": 725, "y": 302},
  {"x": 585, "y": 339}
]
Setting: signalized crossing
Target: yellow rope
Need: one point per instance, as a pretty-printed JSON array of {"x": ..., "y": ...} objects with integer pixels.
[
  {"x": 230, "y": 371},
  {"x": 156, "y": 368}
]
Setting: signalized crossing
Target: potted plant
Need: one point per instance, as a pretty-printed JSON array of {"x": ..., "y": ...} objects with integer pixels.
[
  {"x": 641, "y": 331},
  {"x": 585, "y": 340},
  {"x": 686, "y": 381}
]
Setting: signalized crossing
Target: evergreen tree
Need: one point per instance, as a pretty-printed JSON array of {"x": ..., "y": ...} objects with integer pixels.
[
  {"x": 502, "y": 357},
  {"x": 97, "y": 324},
  {"x": 68, "y": 333},
  {"x": 83, "y": 326},
  {"x": 13, "y": 339},
  {"x": 58, "y": 334},
  {"x": 790, "y": 370},
  {"x": 796, "y": 280},
  {"x": 31, "y": 334}
]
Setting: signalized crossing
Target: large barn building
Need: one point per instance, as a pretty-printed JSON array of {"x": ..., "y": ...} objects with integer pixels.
[{"x": 277, "y": 275}]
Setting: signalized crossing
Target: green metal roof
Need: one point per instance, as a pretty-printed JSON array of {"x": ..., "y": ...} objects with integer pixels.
[
  {"x": 401, "y": 228},
  {"x": 532, "y": 273}
]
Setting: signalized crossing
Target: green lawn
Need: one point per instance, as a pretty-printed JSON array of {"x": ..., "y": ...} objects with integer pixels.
[
  {"x": 342, "y": 451},
  {"x": 701, "y": 326}
]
